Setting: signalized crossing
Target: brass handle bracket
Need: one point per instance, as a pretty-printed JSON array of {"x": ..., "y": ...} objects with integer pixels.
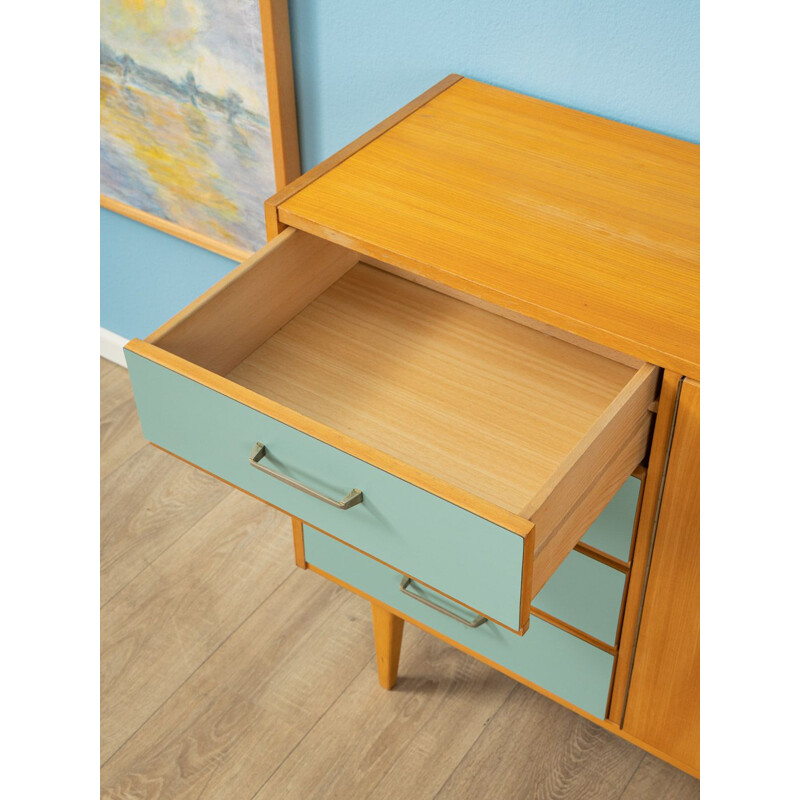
[
  {"x": 353, "y": 497},
  {"x": 470, "y": 623}
]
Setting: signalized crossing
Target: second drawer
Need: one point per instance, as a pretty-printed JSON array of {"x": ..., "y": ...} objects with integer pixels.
[
  {"x": 586, "y": 595},
  {"x": 546, "y": 656}
]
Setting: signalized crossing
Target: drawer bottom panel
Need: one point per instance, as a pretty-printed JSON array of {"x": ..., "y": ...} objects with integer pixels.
[{"x": 551, "y": 658}]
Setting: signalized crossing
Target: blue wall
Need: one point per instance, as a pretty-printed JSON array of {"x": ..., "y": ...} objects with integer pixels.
[
  {"x": 357, "y": 61},
  {"x": 146, "y": 275}
]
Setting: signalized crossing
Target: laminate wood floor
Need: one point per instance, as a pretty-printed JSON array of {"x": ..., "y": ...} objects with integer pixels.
[{"x": 228, "y": 673}]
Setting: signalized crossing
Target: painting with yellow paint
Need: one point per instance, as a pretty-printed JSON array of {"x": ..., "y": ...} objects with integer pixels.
[{"x": 185, "y": 131}]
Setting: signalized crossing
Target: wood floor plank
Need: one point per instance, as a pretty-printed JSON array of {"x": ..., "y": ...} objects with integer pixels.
[
  {"x": 147, "y": 505},
  {"x": 106, "y": 366},
  {"x": 229, "y": 727},
  {"x": 115, "y": 386},
  {"x": 170, "y": 618},
  {"x": 654, "y": 779},
  {"x": 120, "y": 434},
  {"x": 535, "y": 749},
  {"x": 120, "y": 437},
  {"x": 406, "y": 742}
]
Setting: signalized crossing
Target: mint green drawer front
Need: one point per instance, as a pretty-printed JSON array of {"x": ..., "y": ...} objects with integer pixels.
[
  {"x": 545, "y": 655},
  {"x": 586, "y": 594},
  {"x": 613, "y": 529},
  {"x": 437, "y": 542}
]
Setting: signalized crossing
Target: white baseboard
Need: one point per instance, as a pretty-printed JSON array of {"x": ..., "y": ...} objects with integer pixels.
[{"x": 111, "y": 345}]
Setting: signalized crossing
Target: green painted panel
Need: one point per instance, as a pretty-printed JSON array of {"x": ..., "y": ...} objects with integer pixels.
[
  {"x": 613, "y": 529},
  {"x": 545, "y": 655},
  {"x": 584, "y": 593},
  {"x": 437, "y": 542}
]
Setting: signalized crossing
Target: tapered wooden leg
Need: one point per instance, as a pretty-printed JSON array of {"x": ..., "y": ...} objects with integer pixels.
[
  {"x": 299, "y": 544},
  {"x": 388, "y": 630}
]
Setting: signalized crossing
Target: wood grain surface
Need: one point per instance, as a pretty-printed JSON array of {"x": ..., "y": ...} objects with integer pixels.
[
  {"x": 205, "y": 699},
  {"x": 387, "y": 630},
  {"x": 513, "y": 759},
  {"x": 578, "y": 221},
  {"x": 655, "y": 778},
  {"x": 492, "y": 407},
  {"x": 643, "y": 535},
  {"x": 663, "y": 705},
  {"x": 120, "y": 435},
  {"x": 274, "y": 226},
  {"x": 401, "y": 743},
  {"x": 170, "y": 619},
  {"x": 514, "y": 316},
  {"x": 277, "y": 48},
  {"x": 230, "y": 320},
  {"x": 152, "y": 503}
]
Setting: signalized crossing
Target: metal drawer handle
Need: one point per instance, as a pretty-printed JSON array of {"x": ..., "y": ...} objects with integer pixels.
[
  {"x": 352, "y": 499},
  {"x": 470, "y": 623}
]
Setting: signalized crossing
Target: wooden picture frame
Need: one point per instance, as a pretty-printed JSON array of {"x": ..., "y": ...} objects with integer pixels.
[{"x": 277, "y": 50}]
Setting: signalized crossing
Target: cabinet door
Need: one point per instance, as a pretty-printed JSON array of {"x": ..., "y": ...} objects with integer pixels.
[{"x": 663, "y": 706}]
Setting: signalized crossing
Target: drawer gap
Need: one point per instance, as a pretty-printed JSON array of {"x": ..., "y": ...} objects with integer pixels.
[{"x": 565, "y": 626}]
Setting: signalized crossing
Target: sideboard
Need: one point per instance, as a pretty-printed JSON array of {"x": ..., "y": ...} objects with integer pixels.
[{"x": 467, "y": 365}]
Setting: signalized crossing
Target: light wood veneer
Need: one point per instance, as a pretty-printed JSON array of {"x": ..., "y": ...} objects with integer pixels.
[
  {"x": 488, "y": 405},
  {"x": 581, "y": 222},
  {"x": 663, "y": 705}
]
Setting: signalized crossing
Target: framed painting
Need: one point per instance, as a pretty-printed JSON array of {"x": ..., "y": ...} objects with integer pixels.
[{"x": 197, "y": 116}]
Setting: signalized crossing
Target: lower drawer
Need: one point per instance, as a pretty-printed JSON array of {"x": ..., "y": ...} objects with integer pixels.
[
  {"x": 611, "y": 532},
  {"x": 586, "y": 595},
  {"x": 546, "y": 655}
]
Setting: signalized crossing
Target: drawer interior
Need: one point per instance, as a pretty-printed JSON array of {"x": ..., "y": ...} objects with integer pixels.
[
  {"x": 486, "y": 404},
  {"x": 476, "y": 405},
  {"x": 489, "y": 405}
]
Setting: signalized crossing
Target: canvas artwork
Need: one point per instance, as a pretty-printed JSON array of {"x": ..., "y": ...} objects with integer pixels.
[{"x": 185, "y": 131}]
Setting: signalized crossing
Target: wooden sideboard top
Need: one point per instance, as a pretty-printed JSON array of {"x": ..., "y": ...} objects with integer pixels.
[{"x": 581, "y": 222}]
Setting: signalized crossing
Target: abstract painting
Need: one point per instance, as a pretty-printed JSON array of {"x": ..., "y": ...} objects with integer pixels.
[{"x": 185, "y": 130}]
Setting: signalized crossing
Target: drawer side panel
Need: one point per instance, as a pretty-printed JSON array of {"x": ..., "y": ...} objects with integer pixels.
[{"x": 437, "y": 542}]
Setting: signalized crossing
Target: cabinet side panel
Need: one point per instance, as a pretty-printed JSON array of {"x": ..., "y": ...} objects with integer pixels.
[{"x": 663, "y": 707}]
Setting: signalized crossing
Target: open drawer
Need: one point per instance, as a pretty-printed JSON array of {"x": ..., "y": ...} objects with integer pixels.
[{"x": 462, "y": 448}]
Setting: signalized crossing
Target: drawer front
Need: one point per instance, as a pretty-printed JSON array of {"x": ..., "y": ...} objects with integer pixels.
[
  {"x": 546, "y": 655},
  {"x": 612, "y": 531},
  {"x": 435, "y": 541},
  {"x": 585, "y": 594}
]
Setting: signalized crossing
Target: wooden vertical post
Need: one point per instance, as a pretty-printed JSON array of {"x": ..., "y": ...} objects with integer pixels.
[
  {"x": 277, "y": 43},
  {"x": 663, "y": 706},
  {"x": 388, "y": 631},
  {"x": 299, "y": 543}
]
